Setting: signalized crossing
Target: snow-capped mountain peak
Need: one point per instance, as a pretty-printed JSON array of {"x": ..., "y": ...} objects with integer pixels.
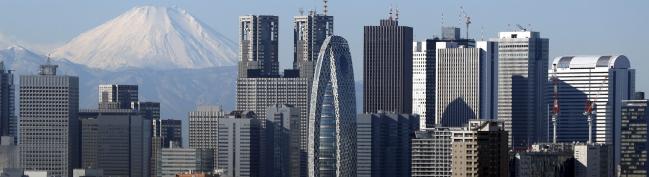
[{"x": 153, "y": 37}]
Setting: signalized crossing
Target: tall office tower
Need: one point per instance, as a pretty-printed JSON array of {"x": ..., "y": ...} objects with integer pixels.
[
  {"x": 603, "y": 81},
  {"x": 8, "y": 121},
  {"x": 423, "y": 73},
  {"x": 9, "y": 155},
  {"x": 593, "y": 160},
  {"x": 466, "y": 83},
  {"x": 124, "y": 95},
  {"x": 309, "y": 31},
  {"x": 332, "y": 113},
  {"x": 383, "y": 144},
  {"x": 522, "y": 75},
  {"x": 203, "y": 128},
  {"x": 282, "y": 141},
  {"x": 633, "y": 147},
  {"x": 171, "y": 133},
  {"x": 239, "y": 145},
  {"x": 257, "y": 94},
  {"x": 387, "y": 67},
  {"x": 478, "y": 149},
  {"x": 49, "y": 131},
  {"x": 151, "y": 111},
  {"x": 258, "y": 43},
  {"x": 118, "y": 141}
]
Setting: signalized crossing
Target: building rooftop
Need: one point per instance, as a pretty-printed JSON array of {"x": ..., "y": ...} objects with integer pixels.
[{"x": 591, "y": 62}]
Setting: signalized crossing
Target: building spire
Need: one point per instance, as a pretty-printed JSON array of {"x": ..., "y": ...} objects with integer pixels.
[{"x": 326, "y": 7}]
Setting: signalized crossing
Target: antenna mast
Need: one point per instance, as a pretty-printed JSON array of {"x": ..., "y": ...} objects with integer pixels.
[
  {"x": 555, "y": 106},
  {"x": 326, "y": 5}
]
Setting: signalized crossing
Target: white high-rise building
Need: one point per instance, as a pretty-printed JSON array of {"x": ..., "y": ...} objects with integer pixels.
[
  {"x": 466, "y": 81},
  {"x": 423, "y": 85},
  {"x": 522, "y": 75},
  {"x": 604, "y": 80}
]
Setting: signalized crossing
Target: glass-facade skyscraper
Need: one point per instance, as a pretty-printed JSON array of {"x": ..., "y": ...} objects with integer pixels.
[{"x": 332, "y": 113}]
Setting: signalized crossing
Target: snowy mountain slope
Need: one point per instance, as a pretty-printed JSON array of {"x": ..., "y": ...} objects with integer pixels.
[
  {"x": 178, "y": 90},
  {"x": 151, "y": 37}
]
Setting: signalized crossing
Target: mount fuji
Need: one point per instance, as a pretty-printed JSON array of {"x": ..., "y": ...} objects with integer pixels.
[{"x": 151, "y": 37}]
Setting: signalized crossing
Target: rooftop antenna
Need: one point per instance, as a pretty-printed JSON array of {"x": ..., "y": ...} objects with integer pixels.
[
  {"x": 326, "y": 5},
  {"x": 390, "y": 14},
  {"x": 397, "y": 15},
  {"x": 442, "y": 19},
  {"x": 482, "y": 33},
  {"x": 467, "y": 21}
]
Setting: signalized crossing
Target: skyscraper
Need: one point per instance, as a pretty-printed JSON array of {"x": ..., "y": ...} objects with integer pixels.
[
  {"x": 124, "y": 95},
  {"x": 171, "y": 133},
  {"x": 603, "y": 81},
  {"x": 49, "y": 131},
  {"x": 260, "y": 87},
  {"x": 593, "y": 160},
  {"x": 258, "y": 44},
  {"x": 387, "y": 67},
  {"x": 522, "y": 75},
  {"x": 633, "y": 147},
  {"x": 8, "y": 121},
  {"x": 309, "y": 31},
  {"x": 118, "y": 141},
  {"x": 282, "y": 141},
  {"x": 423, "y": 73},
  {"x": 239, "y": 145},
  {"x": 203, "y": 129},
  {"x": 257, "y": 94},
  {"x": 383, "y": 144},
  {"x": 466, "y": 83},
  {"x": 332, "y": 113}
]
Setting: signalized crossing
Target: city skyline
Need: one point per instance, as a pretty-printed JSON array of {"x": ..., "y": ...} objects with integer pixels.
[
  {"x": 570, "y": 31},
  {"x": 457, "y": 100}
]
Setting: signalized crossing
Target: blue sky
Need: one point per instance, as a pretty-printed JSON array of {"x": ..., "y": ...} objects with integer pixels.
[{"x": 575, "y": 27}]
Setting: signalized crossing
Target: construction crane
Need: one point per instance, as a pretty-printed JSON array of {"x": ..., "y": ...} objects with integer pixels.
[
  {"x": 467, "y": 20},
  {"x": 555, "y": 106},
  {"x": 590, "y": 107}
]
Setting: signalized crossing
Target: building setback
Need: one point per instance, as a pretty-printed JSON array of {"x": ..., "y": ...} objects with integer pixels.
[
  {"x": 466, "y": 83},
  {"x": 258, "y": 44},
  {"x": 387, "y": 67},
  {"x": 522, "y": 75},
  {"x": 332, "y": 113},
  {"x": 633, "y": 147},
  {"x": 49, "y": 131},
  {"x": 383, "y": 144}
]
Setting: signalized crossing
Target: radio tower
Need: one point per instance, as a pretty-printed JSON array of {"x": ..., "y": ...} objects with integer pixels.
[{"x": 555, "y": 106}]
